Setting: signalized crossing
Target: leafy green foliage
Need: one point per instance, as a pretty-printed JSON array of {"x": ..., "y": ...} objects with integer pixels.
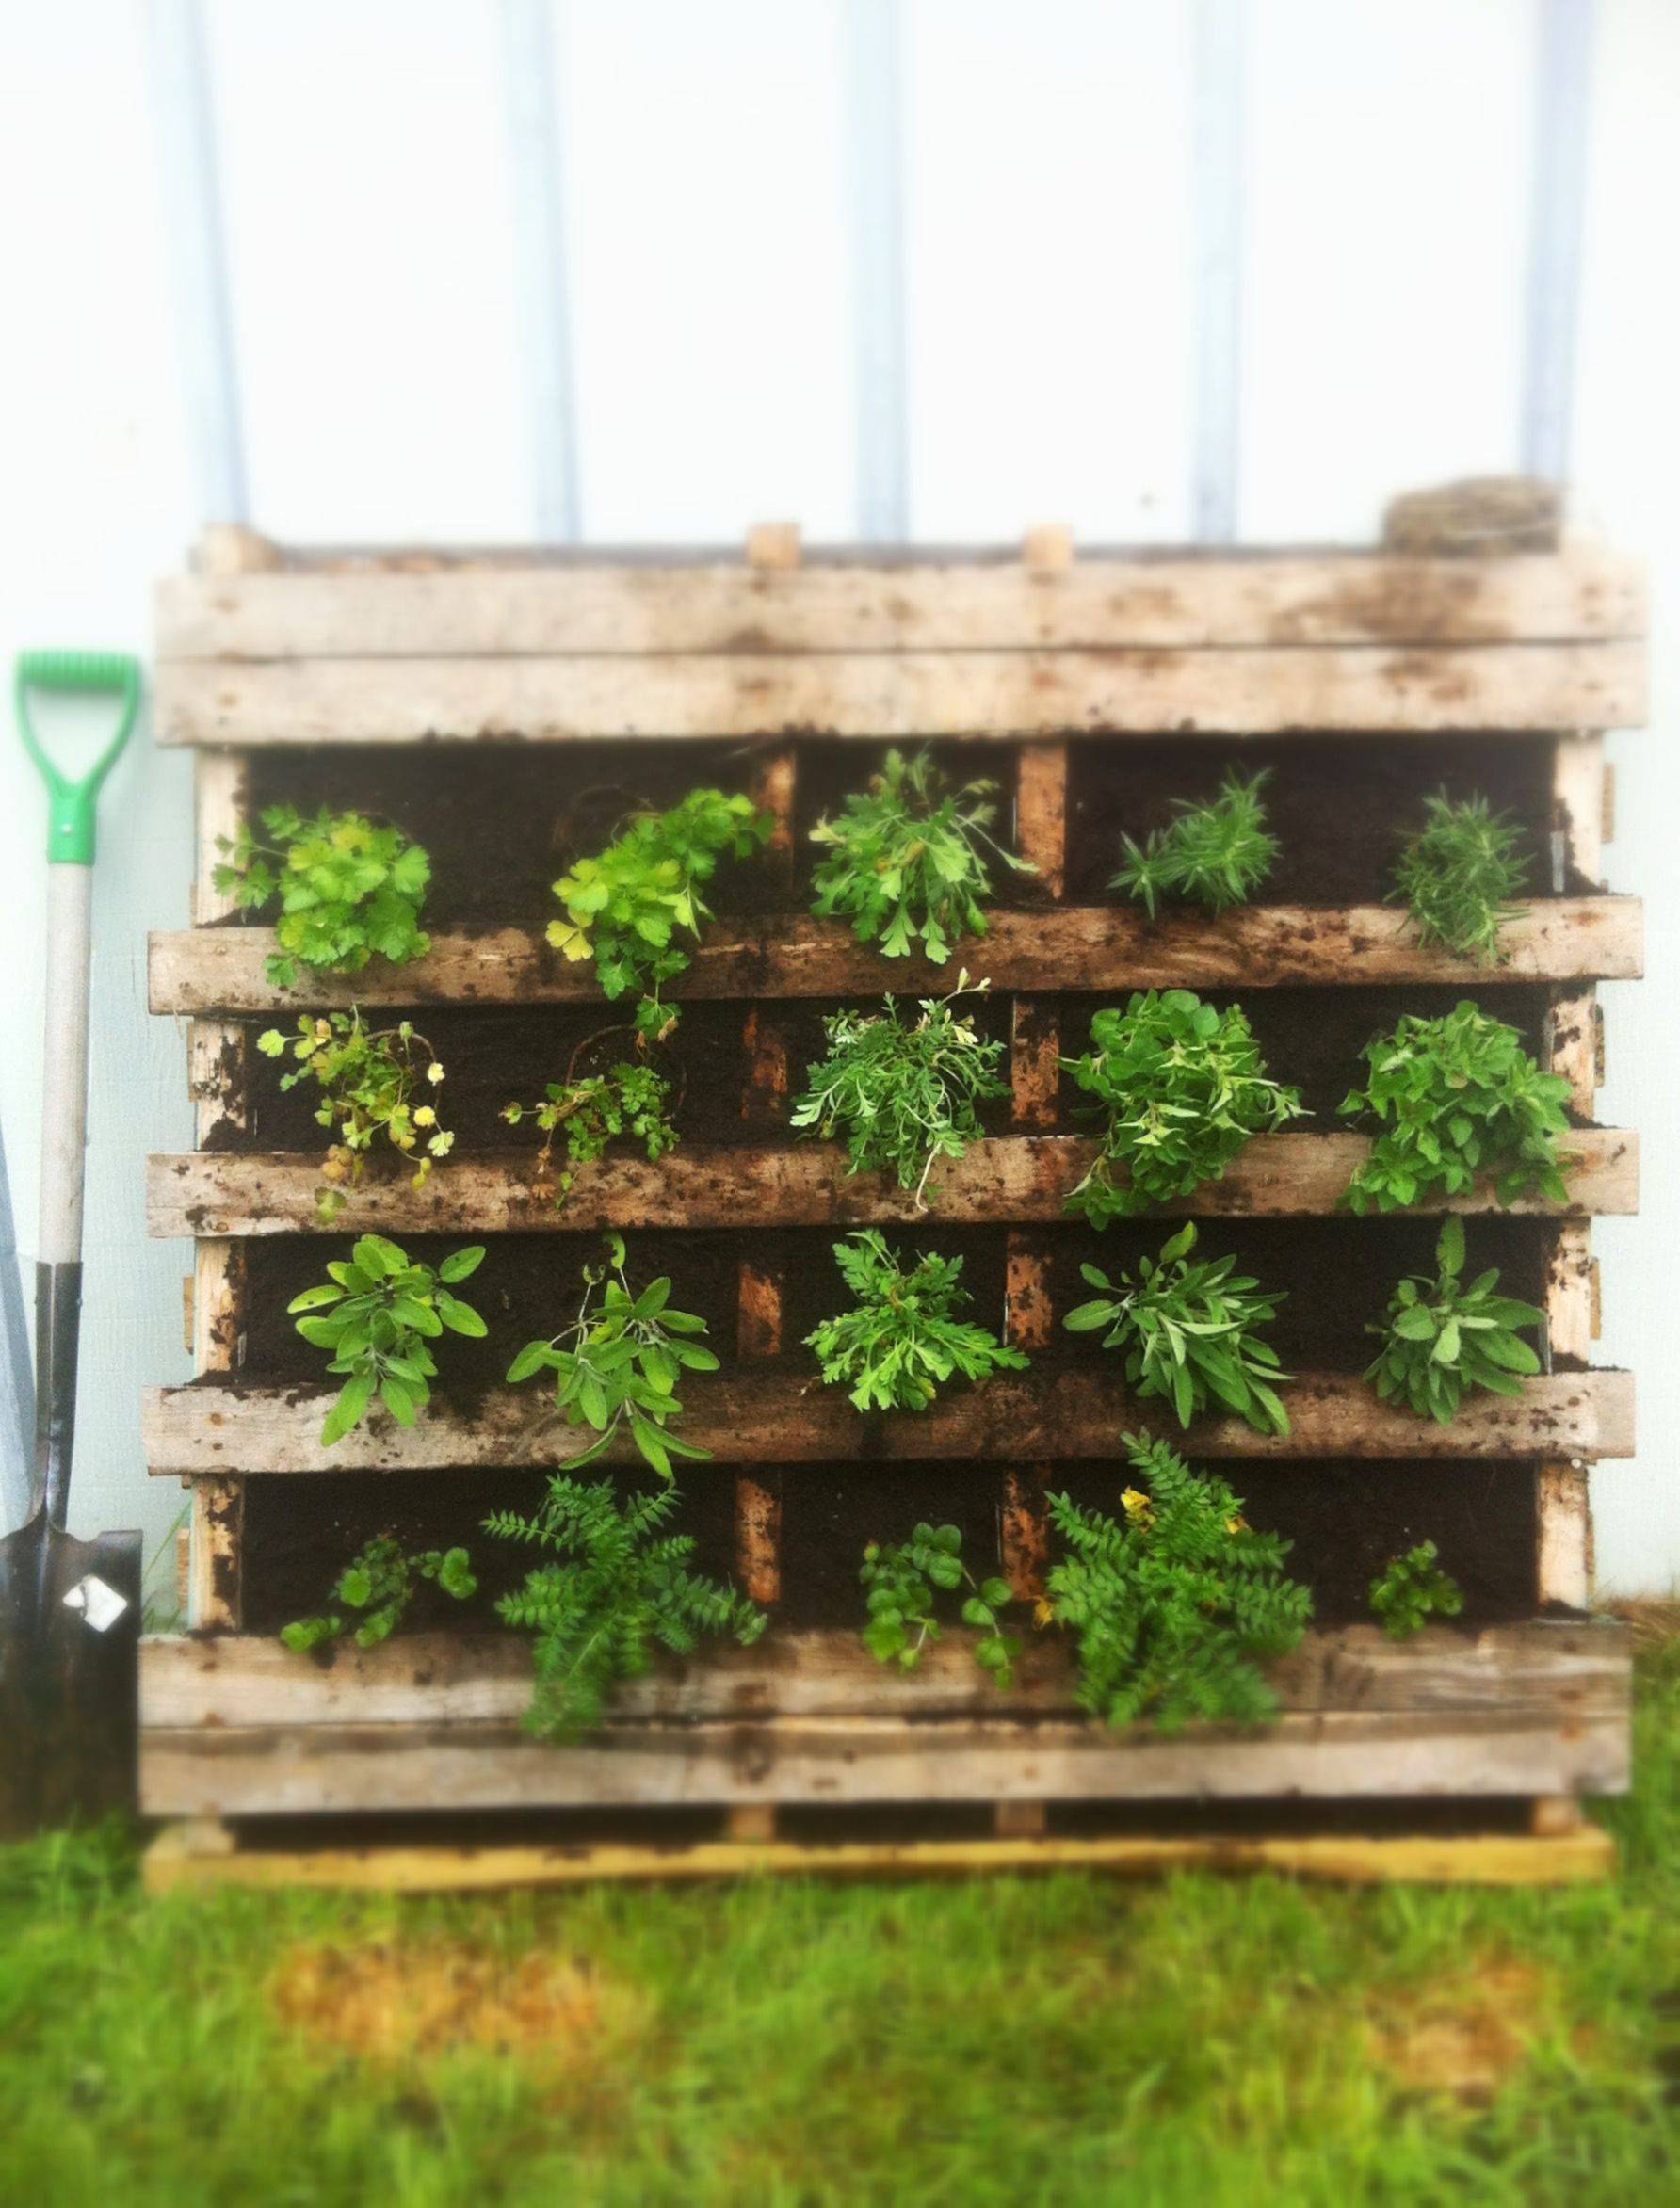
[
  {"x": 902, "y": 1339},
  {"x": 346, "y": 889},
  {"x": 626, "y": 907},
  {"x": 1412, "y": 1589},
  {"x": 899, "y": 1581},
  {"x": 1181, "y": 1089},
  {"x": 379, "y": 1584},
  {"x": 616, "y": 1592},
  {"x": 1187, "y": 1331},
  {"x": 589, "y": 1114},
  {"x": 907, "y": 860},
  {"x": 1459, "y": 875},
  {"x": 369, "y": 1079},
  {"x": 376, "y": 1314},
  {"x": 1176, "y": 1605},
  {"x": 1443, "y": 1337},
  {"x": 1215, "y": 853},
  {"x": 617, "y": 1366},
  {"x": 904, "y": 1095},
  {"x": 1455, "y": 1097}
]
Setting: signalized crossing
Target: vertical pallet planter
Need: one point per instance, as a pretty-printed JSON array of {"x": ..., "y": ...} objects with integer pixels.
[{"x": 505, "y": 709}]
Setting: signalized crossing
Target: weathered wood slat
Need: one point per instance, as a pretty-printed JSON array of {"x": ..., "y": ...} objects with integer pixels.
[
  {"x": 1002, "y": 1179},
  {"x": 1351, "y": 689},
  {"x": 457, "y": 1679},
  {"x": 786, "y": 1417},
  {"x": 470, "y": 611},
  {"x": 1074, "y": 948}
]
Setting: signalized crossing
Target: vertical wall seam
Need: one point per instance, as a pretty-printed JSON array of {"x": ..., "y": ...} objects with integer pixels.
[
  {"x": 185, "y": 112},
  {"x": 1217, "y": 156},
  {"x": 1557, "y": 215},
  {"x": 875, "y": 158},
  {"x": 542, "y": 264}
]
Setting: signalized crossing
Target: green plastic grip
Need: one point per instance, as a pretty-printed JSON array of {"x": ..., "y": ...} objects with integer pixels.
[{"x": 72, "y": 806}]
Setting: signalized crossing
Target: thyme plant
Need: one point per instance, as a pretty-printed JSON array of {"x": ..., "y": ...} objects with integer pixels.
[
  {"x": 1460, "y": 877},
  {"x": 902, "y": 1581},
  {"x": 1411, "y": 1590},
  {"x": 379, "y": 1584},
  {"x": 589, "y": 1114}
]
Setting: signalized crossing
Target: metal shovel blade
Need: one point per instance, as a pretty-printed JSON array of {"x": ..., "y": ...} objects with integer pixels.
[{"x": 69, "y": 1626}]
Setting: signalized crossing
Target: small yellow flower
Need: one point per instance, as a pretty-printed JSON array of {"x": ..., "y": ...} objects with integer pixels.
[
  {"x": 1236, "y": 1526},
  {"x": 1041, "y": 1612},
  {"x": 1135, "y": 1503},
  {"x": 434, "y": 1073},
  {"x": 426, "y": 1117}
]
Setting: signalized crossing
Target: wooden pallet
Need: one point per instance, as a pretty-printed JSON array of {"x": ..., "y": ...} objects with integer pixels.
[{"x": 1039, "y": 653}]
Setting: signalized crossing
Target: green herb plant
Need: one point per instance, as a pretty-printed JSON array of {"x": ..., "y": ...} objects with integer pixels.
[
  {"x": 617, "y": 1366},
  {"x": 374, "y": 1082},
  {"x": 615, "y": 1592},
  {"x": 1188, "y": 1332},
  {"x": 1411, "y": 1590},
  {"x": 377, "y": 1313},
  {"x": 1215, "y": 853},
  {"x": 1174, "y": 1605},
  {"x": 347, "y": 888},
  {"x": 908, "y": 860},
  {"x": 588, "y": 1114},
  {"x": 904, "y": 1095},
  {"x": 899, "y": 1584},
  {"x": 627, "y": 907},
  {"x": 1458, "y": 877},
  {"x": 1446, "y": 1336},
  {"x": 1179, "y": 1089},
  {"x": 1452, "y": 1098},
  {"x": 379, "y": 1584},
  {"x": 903, "y": 1339}
]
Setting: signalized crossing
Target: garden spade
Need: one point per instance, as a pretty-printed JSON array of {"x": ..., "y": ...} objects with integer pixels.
[{"x": 69, "y": 1610}]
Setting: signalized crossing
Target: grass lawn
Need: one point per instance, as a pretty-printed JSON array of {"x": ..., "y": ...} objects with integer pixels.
[{"x": 1061, "y": 2041}]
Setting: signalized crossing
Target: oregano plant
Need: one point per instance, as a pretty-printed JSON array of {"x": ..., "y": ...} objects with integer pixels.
[
  {"x": 586, "y": 1113},
  {"x": 901, "y": 1584},
  {"x": 1453, "y": 1098},
  {"x": 1411, "y": 1590},
  {"x": 1177, "y": 1089},
  {"x": 909, "y": 860},
  {"x": 615, "y": 1589},
  {"x": 1460, "y": 877},
  {"x": 903, "y": 1093},
  {"x": 348, "y": 888},
  {"x": 1445, "y": 1336},
  {"x": 375, "y": 1082},
  {"x": 1214, "y": 852},
  {"x": 1189, "y": 1333},
  {"x": 376, "y": 1312},
  {"x": 617, "y": 1364},
  {"x": 377, "y": 1585},
  {"x": 634, "y": 907},
  {"x": 904, "y": 1337}
]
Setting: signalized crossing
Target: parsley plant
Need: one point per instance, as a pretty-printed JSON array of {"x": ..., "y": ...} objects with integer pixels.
[{"x": 346, "y": 889}]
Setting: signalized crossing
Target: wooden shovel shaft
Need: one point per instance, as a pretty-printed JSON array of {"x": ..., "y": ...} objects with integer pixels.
[{"x": 64, "y": 1133}]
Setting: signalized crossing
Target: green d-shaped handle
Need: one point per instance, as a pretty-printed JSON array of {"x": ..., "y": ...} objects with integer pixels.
[{"x": 71, "y": 805}]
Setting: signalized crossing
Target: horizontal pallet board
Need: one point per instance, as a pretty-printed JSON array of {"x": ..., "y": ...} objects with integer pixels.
[
  {"x": 1349, "y": 689},
  {"x": 1003, "y": 1178},
  {"x": 220, "y": 970},
  {"x": 485, "y": 608},
  {"x": 177, "y": 1860},
  {"x": 787, "y": 1417},
  {"x": 1526, "y": 1721}
]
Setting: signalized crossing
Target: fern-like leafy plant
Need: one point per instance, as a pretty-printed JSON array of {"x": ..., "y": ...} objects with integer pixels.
[
  {"x": 903, "y": 1094},
  {"x": 628, "y": 1102},
  {"x": 909, "y": 861},
  {"x": 1458, "y": 877},
  {"x": 629, "y": 907},
  {"x": 1178, "y": 1089},
  {"x": 1174, "y": 1605},
  {"x": 348, "y": 888},
  {"x": 377, "y": 1585},
  {"x": 1188, "y": 1334},
  {"x": 1445, "y": 1336},
  {"x": 374, "y": 1082},
  {"x": 1214, "y": 853},
  {"x": 614, "y": 1591},
  {"x": 899, "y": 1583},
  {"x": 903, "y": 1339},
  {"x": 1411, "y": 1590},
  {"x": 1452, "y": 1098}
]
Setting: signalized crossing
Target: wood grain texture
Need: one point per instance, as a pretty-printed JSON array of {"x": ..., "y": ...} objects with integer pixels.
[
  {"x": 1350, "y": 689},
  {"x": 784, "y": 1417},
  {"x": 1007, "y": 1178},
  {"x": 1102, "y": 947},
  {"x": 494, "y": 607}
]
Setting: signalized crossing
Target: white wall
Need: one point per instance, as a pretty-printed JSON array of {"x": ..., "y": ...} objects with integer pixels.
[{"x": 725, "y": 267}]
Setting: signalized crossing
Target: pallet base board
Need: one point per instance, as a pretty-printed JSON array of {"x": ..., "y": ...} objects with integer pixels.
[{"x": 188, "y": 1856}]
